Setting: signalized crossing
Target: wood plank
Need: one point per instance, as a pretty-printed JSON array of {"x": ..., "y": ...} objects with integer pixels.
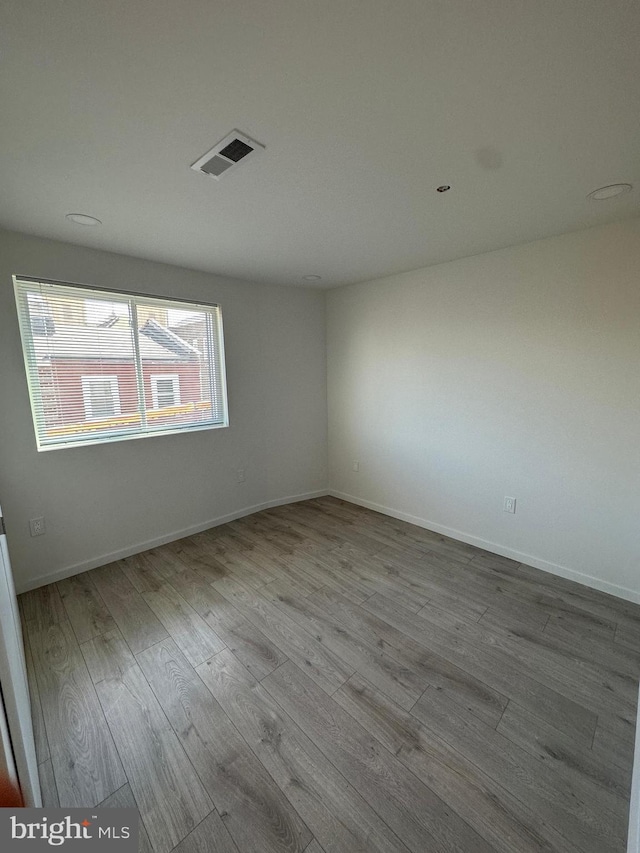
[
  {"x": 406, "y": 592},
  {"x": 249, "y": 568},
  {"x": 505, "y": 596},
  {"x": 85, "y": 608},
  {"x": 296, "y": 567},
  {"x": 42, "y": 608},
  {"x": 250, "y": 645},
  {"x": 142, "y": 573},
  {"x": 48, "y": 788},
  {"x": 418, "y": 817},
  {"x": 169, "y": 794},
  {"x": 124, "y": 799},
  {"x": 165, "y": 561},
  {"x": 342, "y": 533},
  {"x": 194, "y": 637},
  {"x": 567, "y": 759},
  {"x": 334, "y": 812},
  {"x": 210, "y": 836},
  {"x": 453, "y": 603},
  {"x": 131, "y": 613},
  {"x": 253, "y": 649},
  {"x": 628, "y": 635},
  {"x": 345, "y": 570},
  {"x": 497, "y": 562},
  {"x": 286, "y": 585},
  {"x": 204, "y": 599},
  {"x": 199, "y": 554},
  {"x": 514, "y": 615},
  {"x": 591, "y": 830},
  {"x": 435, "y": 669},
  {"x": 335, "y": 578},
  {"x": 581, "y": 597},
  {"x": 234, "y": 541},
  {"x": 504, "y": 822},
  {"x": 313, "y": 540},
  {"x": 326, "y": 669},
  {"x": 273, "y": 536},
  {"x": 582, "y": 626},
  {"x": 85, "y": 762},
  {"x": 560, "y": 600},
  {"x": 39, "y": 731},
  {"x": 623, "y": 730},
  {"x": 107, "y": 656},
  {"x": 254, "y": 811},
  {"x": 611, "y": 745},
  {"x": 480, "y": 584},
  {"x": 611, "y": 657},
  {"x": 539, "y": 657},
  {"x": 400, "y": 536},
  {"x": 423, "y": 586},
  {"x": 492, "y": 667},
  {"x": 447, "y": 582},
  {"x": 400, "y": 683}
]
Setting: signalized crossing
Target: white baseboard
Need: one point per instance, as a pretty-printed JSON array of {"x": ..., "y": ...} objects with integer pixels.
[
  {"x": 121, "y": 553},
  {"x": 495, "y": 548}
]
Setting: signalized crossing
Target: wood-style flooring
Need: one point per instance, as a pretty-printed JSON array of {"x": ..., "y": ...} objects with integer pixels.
[{"x": 321, "y": 677}]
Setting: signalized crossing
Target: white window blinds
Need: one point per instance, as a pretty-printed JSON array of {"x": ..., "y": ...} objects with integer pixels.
[{"x": 108, "y": 365}]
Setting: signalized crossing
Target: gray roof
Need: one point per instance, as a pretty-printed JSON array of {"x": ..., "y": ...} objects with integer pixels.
[
  {"x": 168, "y": 339},
  {"x": 111, "y": 344}
]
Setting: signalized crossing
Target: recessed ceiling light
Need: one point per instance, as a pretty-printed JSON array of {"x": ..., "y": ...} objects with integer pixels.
[
  {"x": 312, "y": 277},
  {"x": 611, "y": 191},
  {"x": 443, "y": 189},
  {"x": 83, "y": 219}
]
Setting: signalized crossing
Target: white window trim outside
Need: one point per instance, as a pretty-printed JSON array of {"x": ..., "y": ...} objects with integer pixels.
[
  {"x": 87, "y": 382},
  {"x": 165, "y": 377}
]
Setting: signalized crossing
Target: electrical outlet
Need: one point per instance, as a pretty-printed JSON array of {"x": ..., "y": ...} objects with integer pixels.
[
  {"x": 37, "y": 526},
  {"x": 241, "y": 475},
  {"x": 356, "y": 465},
  {"x": 509, "y": 505}
]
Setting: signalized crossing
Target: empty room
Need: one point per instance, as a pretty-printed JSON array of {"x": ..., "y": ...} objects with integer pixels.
[{"x": 319, "y": 407}]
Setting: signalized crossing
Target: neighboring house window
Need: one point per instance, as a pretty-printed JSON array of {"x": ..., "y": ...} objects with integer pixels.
[
  {"x": 101, "y": 397},
  {"x": 110, "y": 365},
  {"x": 165, "y": 390}
]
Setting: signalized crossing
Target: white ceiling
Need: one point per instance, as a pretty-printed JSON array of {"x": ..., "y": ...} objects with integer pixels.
[{"x": 365, "y": 107}]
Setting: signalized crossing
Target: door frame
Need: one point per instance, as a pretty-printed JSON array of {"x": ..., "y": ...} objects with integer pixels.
[{"x": 13, "y": 680}]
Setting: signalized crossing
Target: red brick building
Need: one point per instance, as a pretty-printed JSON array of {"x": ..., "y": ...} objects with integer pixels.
[{"x": 88, "y": 378}]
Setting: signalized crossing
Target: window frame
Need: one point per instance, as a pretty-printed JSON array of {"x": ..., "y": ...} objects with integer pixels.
[
  {"x": 214, "y": 332},
  {"x": 154, "y": 378},
  {"x": 86, "y": 381}
]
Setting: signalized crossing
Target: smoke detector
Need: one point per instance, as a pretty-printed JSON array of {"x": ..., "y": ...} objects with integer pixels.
[{"x": 234, "y": 149}]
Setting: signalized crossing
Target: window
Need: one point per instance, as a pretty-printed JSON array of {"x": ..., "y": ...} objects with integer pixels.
[
  {"x": 101, "y": 397},
  {"x": 109, "y": 365},
  {"x": 165, "y": 391}
]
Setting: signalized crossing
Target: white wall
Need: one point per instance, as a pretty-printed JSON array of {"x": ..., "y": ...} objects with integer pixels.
[
  {"x": 104, "y": 501},
  {"x": 511, "y": 373}
]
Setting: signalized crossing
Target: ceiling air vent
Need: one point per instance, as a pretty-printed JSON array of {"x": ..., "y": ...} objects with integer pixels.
[{"x": 227, "y": 154}]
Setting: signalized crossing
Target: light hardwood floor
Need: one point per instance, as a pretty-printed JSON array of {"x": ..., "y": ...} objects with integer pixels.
[{"x": 320, "y": 677}]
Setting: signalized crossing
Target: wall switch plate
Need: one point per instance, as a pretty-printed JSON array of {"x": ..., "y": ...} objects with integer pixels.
[
  {"x": 37, "y": 526},
  {"x": 241, "y": 475},
  {"x": 509, "y": 505},
  {"x": 356, "y": 465}
]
